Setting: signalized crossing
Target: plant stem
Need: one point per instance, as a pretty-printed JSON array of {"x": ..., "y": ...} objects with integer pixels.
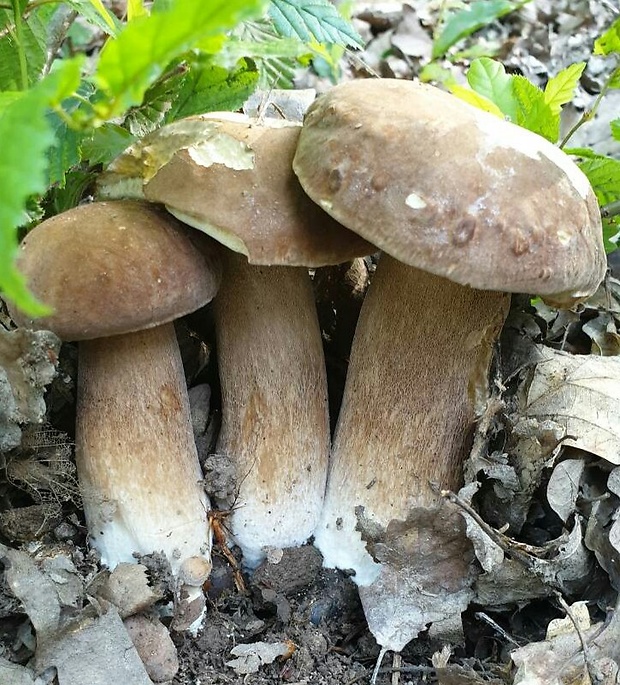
[
  {"x": 588, "y": 114},
  {"x": 19, "y": 41},
  {"x": 610, "y": 209}
]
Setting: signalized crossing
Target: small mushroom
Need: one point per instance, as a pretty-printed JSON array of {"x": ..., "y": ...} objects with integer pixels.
[
  {"x": 117, "y": 274},
  {"x": 466, "y": 207},
  {"x": 231, "y": 176}
]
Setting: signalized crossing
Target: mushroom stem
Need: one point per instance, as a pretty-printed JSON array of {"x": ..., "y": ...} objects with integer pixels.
[
  {"x": 418, "y": 370},
  {"x": 135, "y": 451},
  {"x": 274, "y": 403}
]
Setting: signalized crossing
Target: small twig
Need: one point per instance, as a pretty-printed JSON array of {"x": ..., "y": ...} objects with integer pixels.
[
  {"x": 397, "y": 663},
  {"x": 589, "y": 114},
  {"x": 375, "y": 673},
  {"x": 611, "y": 209},
  {"x": 584, "y": 645},
  {"x": 425, "y": 670},
  {"x": 487, "y": 619}
]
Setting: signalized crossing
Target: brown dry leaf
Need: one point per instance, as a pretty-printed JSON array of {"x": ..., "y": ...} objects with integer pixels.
[
  {"x": 27, "y": 365},
  {"x": 582, "y": 394},
  {"x": 426, "y": 575},
  {"x": 561, "y": 660}
]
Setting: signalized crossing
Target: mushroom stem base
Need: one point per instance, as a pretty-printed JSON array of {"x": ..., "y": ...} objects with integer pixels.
[{"x": 136, "y": 458}]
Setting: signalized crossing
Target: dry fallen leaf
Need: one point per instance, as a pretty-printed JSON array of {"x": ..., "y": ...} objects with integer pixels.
[{"x": 582, "y": 394}]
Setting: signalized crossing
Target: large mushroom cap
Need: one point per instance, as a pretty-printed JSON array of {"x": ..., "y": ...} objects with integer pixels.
[
  {"x": 109, "y": 268},
  {"x": 231, "y": 176},
  {"x": 445, "y": 187}
]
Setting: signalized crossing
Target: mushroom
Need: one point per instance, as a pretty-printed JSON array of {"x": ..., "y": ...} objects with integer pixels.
[
  {"x": 466, "y": 207},
  {"x": 117, "y": 274},
  {"x": 231, "y": 176}
]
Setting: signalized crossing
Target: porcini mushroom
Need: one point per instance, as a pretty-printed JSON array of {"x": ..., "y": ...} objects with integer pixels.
[
  {"x": 231, "y": 176},
  {"x": 466, "y": 207},
  {"x": 117, "y": 274}
]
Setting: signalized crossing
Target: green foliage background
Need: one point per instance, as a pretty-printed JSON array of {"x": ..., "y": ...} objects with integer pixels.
[
  {"x": 64, "y": 114},
  {"x": 78, "y": 85}
]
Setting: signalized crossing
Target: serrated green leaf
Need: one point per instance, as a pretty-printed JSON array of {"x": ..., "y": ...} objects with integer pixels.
[
  {"x": 614, "y": 79},
  {"x": 489, "y": 78},
  {"x": 96, "y": 14},
  {"x": 26, "y": 135},
  {"x": 463, "y": 23},
  {"x": 211, "y": 88},
  {"x": 611, "y": 229},
  {"x": 135, "y": 9},
  {"x": 533, "y": 112},
  {"x": 313, "y": 20},
  {"x": 604, "y": 176},
  {"x": 609, "y": 42},
  {"x": 33, "y": 45},
  {"x": 106, "y": 143},
  {"x": 130, "y": 63},
  {"x": 64, "y": 153},
  {"x": 475, "y": 99},
  {"x": 561, "y": 88}
]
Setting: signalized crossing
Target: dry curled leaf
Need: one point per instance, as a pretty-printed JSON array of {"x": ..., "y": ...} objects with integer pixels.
[{"x": 582, "y": 394}]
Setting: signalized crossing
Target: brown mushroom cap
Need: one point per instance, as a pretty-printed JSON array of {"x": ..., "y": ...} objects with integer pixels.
[
  {"x": 448, "y": 188},
  {"x": 231, "y": 176},
  {"x": 109, "y": 268}
]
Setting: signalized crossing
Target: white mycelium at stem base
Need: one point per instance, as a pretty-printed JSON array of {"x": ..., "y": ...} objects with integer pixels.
[
  {"x": 419, "y": 358},
  {"x": 135, "y": 451},
  {"x": 274, "y": 403}
]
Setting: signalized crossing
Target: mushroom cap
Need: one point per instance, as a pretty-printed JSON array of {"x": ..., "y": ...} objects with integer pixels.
[
  {"x": 446, "y": 187},
  {"x": 109, "y": 268},
  {"x": 231, "y": 176}
]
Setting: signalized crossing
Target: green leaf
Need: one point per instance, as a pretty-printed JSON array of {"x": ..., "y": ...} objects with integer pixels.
[
  {"x": 106, "y": 143},
  {"x": 210, "y": 88},
  {"x": 463, "y": 23},
  {"x": 129, "y": 64},
  {"x": 489, "y": 78},
  {"x": 33, "y": 45},
  {"x": 26, "y": 135},
  {"x": 313, "y": 20},
  {"x": 96, "y": 14},
  {"x": 604, "y": 176},
  {"x": 533, "y": 111},
  {"x": 615, "y": 129},
  {"x": 475, "y": 99},
  {"x": 561, "y": 88},
  {"x": 64, "y": 153},
  {"x": 610, "y": 41}
]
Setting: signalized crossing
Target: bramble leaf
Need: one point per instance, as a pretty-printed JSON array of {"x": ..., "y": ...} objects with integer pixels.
[
  {"x": 604, "y": 176},
  {"x": 210, "y": 88},
  {"x": 475, "y": 99},
  {"x": 489, "y": 79},
  {"x": 609, "y": 42},
  {"x": 561, "y": 88},
  {"x": 533, "y": 111},
  {"x": 130, "y": 63},
  {"x": 463, "y": 23},
  {"x": 106, "y": 143},
  {"x": 26, "y": 135},
  {"x": 96, "y": 14},
  {"x": 313, "y": 20}
]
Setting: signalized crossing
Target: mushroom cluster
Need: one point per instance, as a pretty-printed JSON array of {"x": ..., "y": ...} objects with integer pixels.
[{"x": 465, "y": 208}]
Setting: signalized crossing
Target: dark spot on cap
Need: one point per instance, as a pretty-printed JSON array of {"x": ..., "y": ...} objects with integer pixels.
[{"x": 464, "y": 231}]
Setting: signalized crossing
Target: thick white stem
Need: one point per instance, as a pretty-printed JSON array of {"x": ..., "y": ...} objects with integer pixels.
[
  {"x": 420, "y": 357},
  {"x": 135, "y": 451},
  {"x": 274, "y": 403}
]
